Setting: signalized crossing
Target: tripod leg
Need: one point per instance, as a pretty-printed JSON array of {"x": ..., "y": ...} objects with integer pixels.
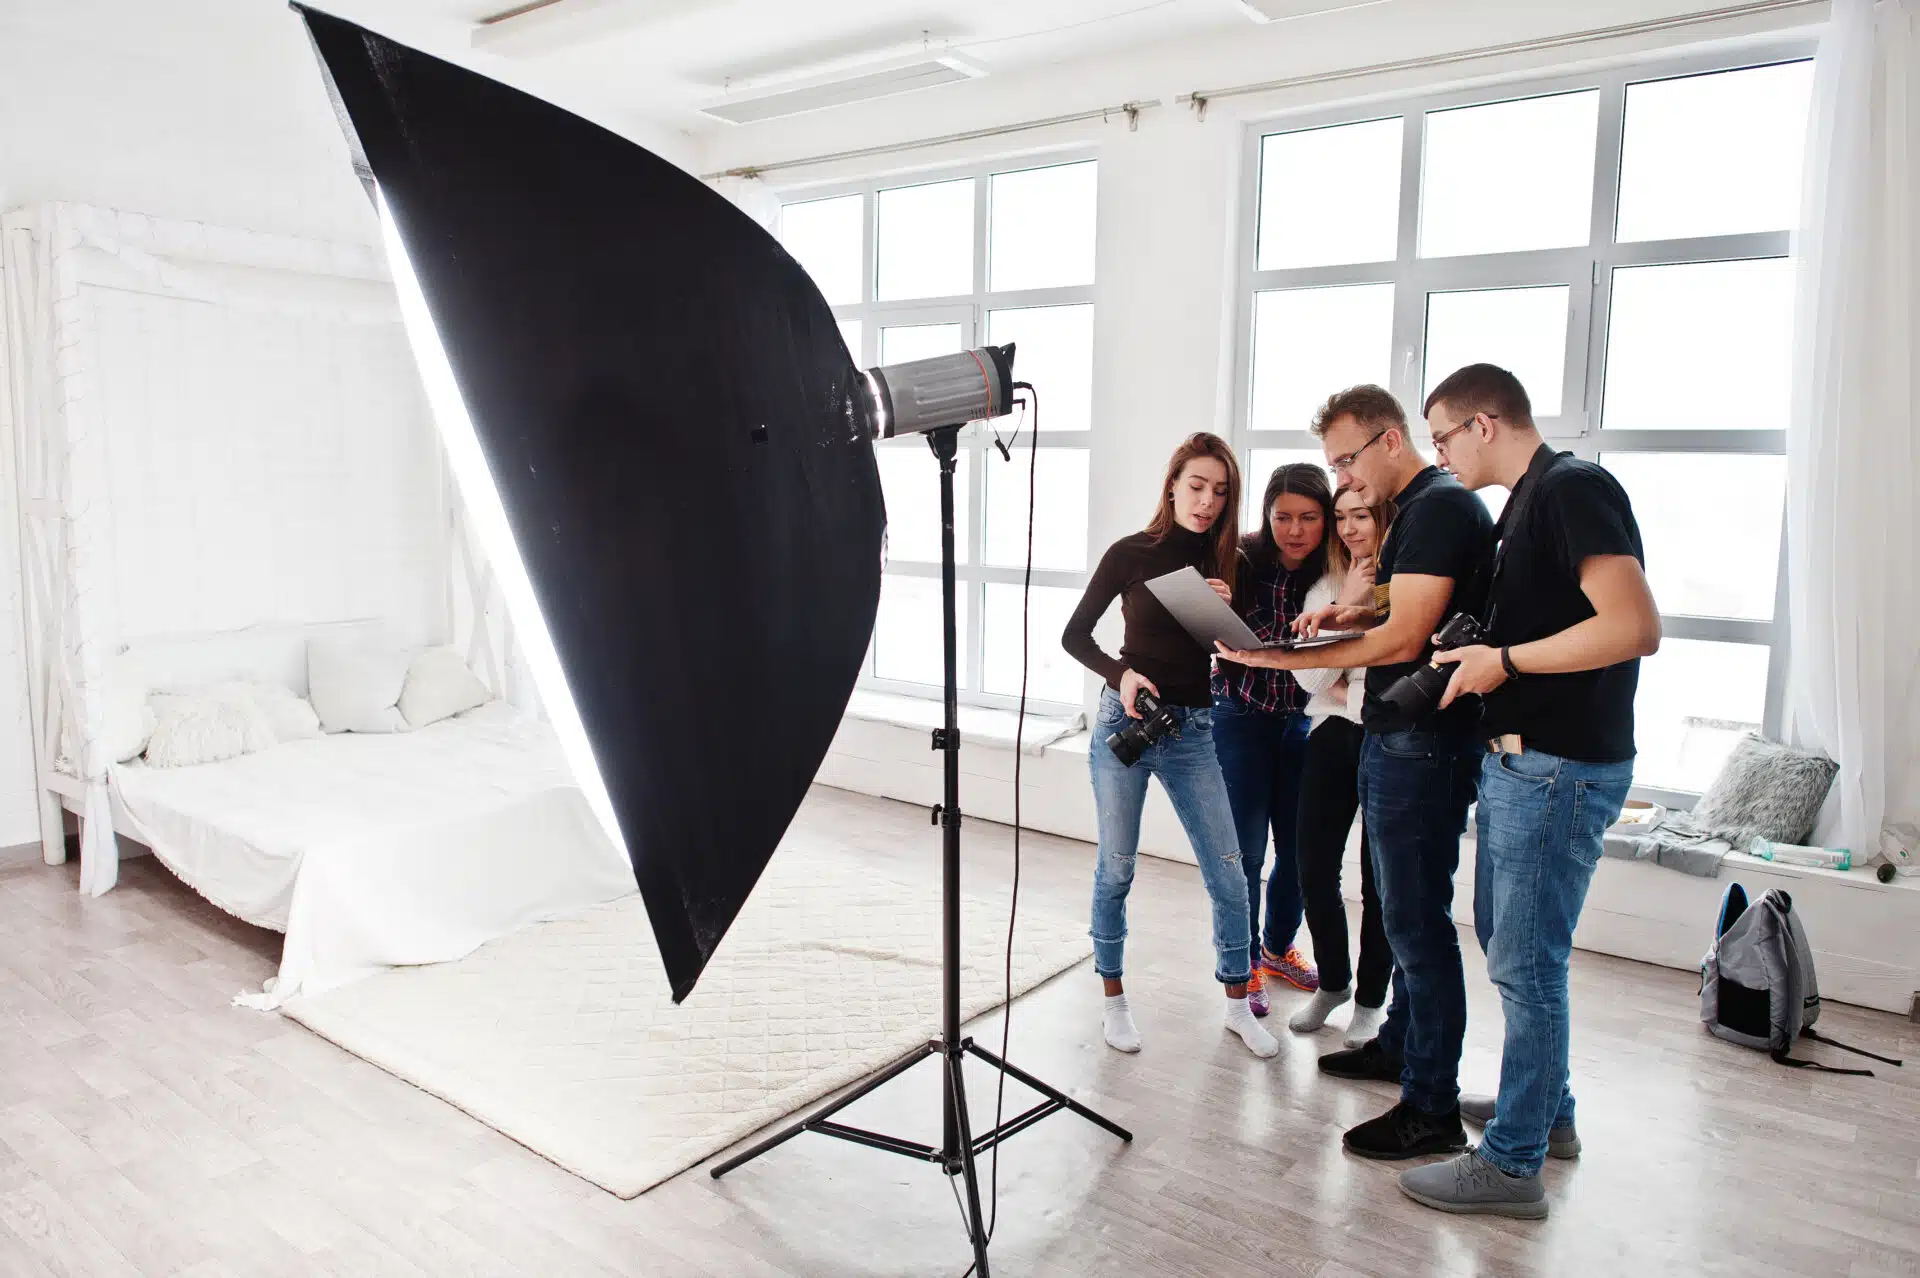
[
  {"x": 1049, "y": 1091},
  {"x": 976, "y": 1222},
  {"x": 887, "y": 1075}
]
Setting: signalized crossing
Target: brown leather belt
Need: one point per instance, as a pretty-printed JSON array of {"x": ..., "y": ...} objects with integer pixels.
[{"x": 1508, "y": 744}]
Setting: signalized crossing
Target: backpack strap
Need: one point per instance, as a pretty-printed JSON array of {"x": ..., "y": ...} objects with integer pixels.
[
  {"x": 1818, "y": 1037},
  {"x": 1780, "y": 1057}
]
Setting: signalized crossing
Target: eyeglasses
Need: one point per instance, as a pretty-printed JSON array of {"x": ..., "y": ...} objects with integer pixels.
[
  {"x": 1440, "y": 441},
  {"x": 1344, "y": 464}
]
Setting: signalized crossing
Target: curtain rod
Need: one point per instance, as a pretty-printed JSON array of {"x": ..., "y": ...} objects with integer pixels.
[
  {"x": 1200, "y": 97},
  {"x": 1131, "y": 110}
]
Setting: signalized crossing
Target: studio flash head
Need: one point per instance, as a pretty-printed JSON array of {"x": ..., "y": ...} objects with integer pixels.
[
  {"x": 929, "y": 394},
  {"x": 1415, "y": 695}
]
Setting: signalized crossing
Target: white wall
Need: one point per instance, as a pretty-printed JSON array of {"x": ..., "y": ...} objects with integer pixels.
[{"x": 196, "y": 110}]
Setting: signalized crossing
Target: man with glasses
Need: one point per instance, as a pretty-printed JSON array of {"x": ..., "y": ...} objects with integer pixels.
[
  {"x": 1417, "y": 772},
  {"x": 1568, "y": 617}
]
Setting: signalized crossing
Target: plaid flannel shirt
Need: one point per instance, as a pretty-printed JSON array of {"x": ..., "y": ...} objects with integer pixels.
[{"x": 1268, "y": 604}]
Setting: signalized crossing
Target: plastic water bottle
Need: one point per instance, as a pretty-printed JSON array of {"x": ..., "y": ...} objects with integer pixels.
[{"x": 1797, "y": 854}]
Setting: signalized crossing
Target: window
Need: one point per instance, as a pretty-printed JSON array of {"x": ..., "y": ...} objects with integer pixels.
[
  {"x": 922, "y": 268},
  {"x": 1620, "y": 242}
]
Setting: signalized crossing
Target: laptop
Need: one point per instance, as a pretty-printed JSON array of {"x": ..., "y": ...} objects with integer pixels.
[{"x": 1208, "y": 617}]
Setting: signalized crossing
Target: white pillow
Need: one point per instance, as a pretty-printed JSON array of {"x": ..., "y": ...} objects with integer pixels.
[
  {"x": 292, "y": 718},
  {"x": 128, "y": 721},
  {"x": 439, "y": 685},
  {"x": 356, "y": 687},
  {"x": 205, "y": 727}
]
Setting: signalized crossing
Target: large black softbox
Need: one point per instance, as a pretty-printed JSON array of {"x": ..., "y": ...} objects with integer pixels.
[{"x": 660, "y": 394}]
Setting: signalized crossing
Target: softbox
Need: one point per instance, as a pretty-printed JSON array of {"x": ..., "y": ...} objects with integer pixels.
[{"x": 661, "y": 397}]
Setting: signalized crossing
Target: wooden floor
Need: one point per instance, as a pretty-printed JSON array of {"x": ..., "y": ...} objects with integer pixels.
[{"x": 146, "y": 1127}]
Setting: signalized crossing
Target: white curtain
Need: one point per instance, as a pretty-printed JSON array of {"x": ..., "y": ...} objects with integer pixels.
[{"x": 1854, "y": 469}]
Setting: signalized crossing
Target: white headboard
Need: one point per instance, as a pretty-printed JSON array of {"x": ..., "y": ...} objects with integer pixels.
[{"x": 273, "y": 654}]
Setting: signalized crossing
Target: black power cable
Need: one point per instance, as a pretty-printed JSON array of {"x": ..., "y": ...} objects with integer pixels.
[{"x": 1019, "y": 753}]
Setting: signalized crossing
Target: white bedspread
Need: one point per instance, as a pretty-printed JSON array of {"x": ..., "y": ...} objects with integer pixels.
[{"x": 375, "y": 850}]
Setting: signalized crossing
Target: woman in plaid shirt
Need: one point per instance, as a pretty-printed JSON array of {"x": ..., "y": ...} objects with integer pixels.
[{"x": 1259, "y": 716}]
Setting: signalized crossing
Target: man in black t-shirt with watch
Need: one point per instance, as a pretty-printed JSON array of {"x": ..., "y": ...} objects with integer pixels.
[
  {"x": 1568, "y": 616},
  {"x": 1417, "y": 772}
]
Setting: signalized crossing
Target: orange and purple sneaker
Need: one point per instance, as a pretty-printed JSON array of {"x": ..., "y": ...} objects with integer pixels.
[
  {"x": 1257, "y": 992},
  {"x": 1291, "y": 967}
]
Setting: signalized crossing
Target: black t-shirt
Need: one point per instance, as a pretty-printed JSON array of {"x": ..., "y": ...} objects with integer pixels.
[
  {"x": 1579, "y": 511},
  {"x": 1441, "y": 530}
]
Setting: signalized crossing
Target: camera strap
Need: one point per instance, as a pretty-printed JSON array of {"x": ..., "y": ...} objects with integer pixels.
[{"x": 1544, "y": 460}]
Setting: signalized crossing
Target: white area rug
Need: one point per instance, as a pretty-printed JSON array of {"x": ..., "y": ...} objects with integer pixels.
[{"x": 563, "y": 1035}]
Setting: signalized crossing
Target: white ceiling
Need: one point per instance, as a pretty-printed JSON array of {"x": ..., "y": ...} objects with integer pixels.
[{"x": 660, "y": 59}]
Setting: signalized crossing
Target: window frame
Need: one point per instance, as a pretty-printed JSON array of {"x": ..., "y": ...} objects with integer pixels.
[
  {"x": 973, "y": 311},
  {"x": 1586, "y": 270}
]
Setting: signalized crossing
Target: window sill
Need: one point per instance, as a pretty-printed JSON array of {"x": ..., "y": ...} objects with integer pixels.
[{"x": 979, "y": 725}]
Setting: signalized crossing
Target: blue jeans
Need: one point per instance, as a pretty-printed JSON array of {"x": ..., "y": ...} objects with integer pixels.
[
  {"x": 1415, "y": 788},
  {"x": 1261, "y": 756},
  {"x": 1190, "y": 774},
  {"x": 1542, "y": 820}
]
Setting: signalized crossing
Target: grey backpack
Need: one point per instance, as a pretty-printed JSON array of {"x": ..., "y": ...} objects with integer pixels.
[{"x": 1757, "y": 986}]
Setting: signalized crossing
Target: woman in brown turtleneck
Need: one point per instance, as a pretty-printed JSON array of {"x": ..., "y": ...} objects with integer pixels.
[{"x": 1195, "y": 524}]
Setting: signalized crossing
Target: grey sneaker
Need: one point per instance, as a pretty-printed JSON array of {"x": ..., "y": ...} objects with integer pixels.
[
  {"x": 1469, "y": 1185},
  {"x": 1562, "y": 1142}
]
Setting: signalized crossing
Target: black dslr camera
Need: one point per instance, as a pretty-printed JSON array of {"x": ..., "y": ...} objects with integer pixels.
[
  {"x": 1155, "y": 721},
  {"x": 1416, "y": 694}
]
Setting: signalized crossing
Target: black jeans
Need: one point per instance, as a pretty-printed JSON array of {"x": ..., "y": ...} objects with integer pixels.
[{"x": 1329, "y": 797}]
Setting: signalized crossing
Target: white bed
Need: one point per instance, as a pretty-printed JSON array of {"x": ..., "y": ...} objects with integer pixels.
[{"x": 373, "y": 850}]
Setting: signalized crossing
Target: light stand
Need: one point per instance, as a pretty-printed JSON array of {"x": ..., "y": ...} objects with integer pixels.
[{"x": 959, "y": 1148}]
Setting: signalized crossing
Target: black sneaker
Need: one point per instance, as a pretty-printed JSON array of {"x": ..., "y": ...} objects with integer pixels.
[
  {"x": 1405, "y": 1132},
  {"x": 1368, "y": 1061}
]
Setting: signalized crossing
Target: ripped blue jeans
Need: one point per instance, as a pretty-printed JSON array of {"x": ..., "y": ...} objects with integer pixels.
[{"x": 1189, "y": 772}]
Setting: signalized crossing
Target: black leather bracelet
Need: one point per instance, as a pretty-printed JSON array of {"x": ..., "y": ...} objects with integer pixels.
[{"x": 1506, "y": 663}]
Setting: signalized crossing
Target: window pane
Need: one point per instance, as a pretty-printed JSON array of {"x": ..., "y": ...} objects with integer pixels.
[
  {"x": 1524, "y": 330},
  {"x": 1330, "y": 196},
  {"x": 906, "y": 634},
  {"x": 1708, "y": 556},
  {"x": 910, "y": 483},
  {"x": 1714, "y": 154},
  {"x": 1040, "y": 227},
  {"x": 824, "y": 237},
  {"x": 926, "y": 240},
  {"x": 851, "y": 332},
  {"x": 1261, "y": 463},
  {"x": 900, "y": 343},
  {"x": 1055, "y": 353},
  {"x": 1696, "y": 700},
  {"x": 1311, "y": 342},
  {"x": 1537, "y": 154},
  {"x": 1051, "y": 674},
  {"x": 1059, "y": 509},
  {"x": 1701, "y": 345}
]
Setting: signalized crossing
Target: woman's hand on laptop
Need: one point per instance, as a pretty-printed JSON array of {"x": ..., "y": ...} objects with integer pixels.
[{"x": 1221, "y": 588}]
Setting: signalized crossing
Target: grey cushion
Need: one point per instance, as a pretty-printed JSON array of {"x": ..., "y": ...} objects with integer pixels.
[{"x": 1766, "y": 790}]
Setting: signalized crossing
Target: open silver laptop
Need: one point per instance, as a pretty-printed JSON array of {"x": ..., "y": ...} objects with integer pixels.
[{"x": 1208, "y": 617}]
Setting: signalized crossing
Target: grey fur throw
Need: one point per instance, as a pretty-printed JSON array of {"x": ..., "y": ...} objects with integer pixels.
[{"x": 1766, "y": 790}]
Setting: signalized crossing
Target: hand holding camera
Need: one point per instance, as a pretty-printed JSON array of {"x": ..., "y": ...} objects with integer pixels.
[
  {"x": 1154, "y": 720},
  {"x": 1429, "y": 688}
]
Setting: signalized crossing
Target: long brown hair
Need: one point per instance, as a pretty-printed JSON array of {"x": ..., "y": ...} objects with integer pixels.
[
  {"x": 1226, "y": 529},
  {"x": 1339, "y": 558}
]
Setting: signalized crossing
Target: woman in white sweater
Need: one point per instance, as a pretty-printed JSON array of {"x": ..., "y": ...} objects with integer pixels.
[{"x": 1329, "y": 794}]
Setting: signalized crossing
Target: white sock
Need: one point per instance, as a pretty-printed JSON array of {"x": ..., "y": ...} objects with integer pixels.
[
  {"x": 1364, "y": 1025},
  {"x": 1318, "y": 1008},
  {"x": 1252, "y": 1033},
  {"x": 1117, "y": 1022}
]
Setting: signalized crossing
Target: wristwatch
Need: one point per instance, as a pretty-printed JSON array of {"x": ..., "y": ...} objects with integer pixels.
[{"x": 1506, "y": 663}]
